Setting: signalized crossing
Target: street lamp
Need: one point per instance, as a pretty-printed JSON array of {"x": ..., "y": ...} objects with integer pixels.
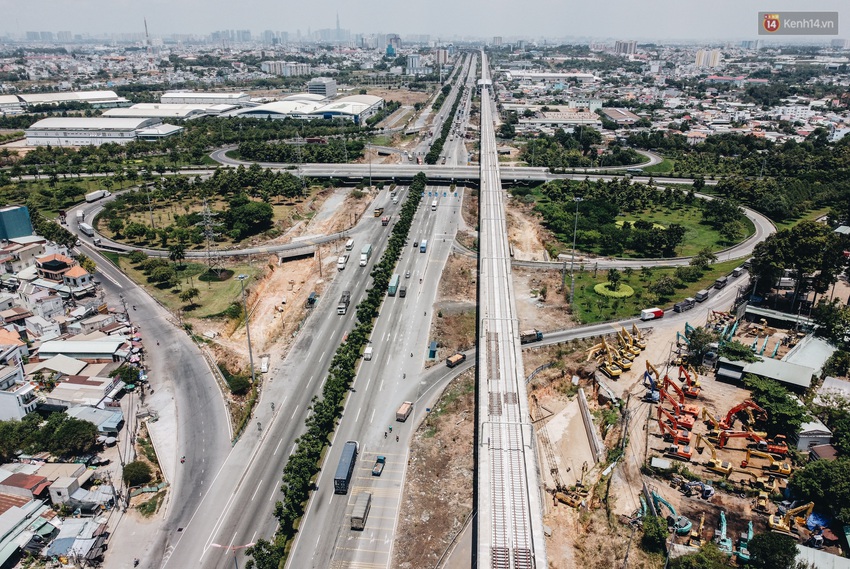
[
  {"x": 241, "y": 279},
  {"x": 573, "y": 261}
]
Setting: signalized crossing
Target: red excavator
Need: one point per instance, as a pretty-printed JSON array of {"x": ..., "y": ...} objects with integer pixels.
[
  {"x": 672, "y": 432},
  {"x": 685, "y": 421},
  {"x": 729, "y": 421},
  {"x": 692, "y": 387},
  {"x": 693, "y": 410}
]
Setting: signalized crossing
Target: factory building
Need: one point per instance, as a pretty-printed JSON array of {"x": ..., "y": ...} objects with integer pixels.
[
  {"x": 14, "y": 222},
  {"x": 84, "y": 131},
  {"x": 324, "y": 86},
  {"x": 169, "y": 111},
  {"x": 199, "y": 98},
  {"x": 356, "y": 108}
]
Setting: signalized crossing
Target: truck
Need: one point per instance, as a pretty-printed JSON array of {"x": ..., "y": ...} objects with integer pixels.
[
  {"x": 365, "y": 254},
  {"x": 81, "y": 216},
  {"x": 651, "y": 313},
  {"x": 391, "y": 290},
  {"x": 455, "y": 359},
  {"x": 96, "y": 195},
  {"x": 379, "y": 211},
  {"x": 340, "y": 263},
  {"x": 87, "y": 229},
  {"x": 345, "y": 468},
  {"x": 721, "y": 282},
  {"x": 404, "y": 411},
  {"x": 367, "y": 353},
  {"x": 349, "y": 245},
  {"x": 264, "y": 364},
  {"x": 344, "y": 301},
  {"x": 686, "y": 304},
  {"x": 385, "y": 220},
  {"x": 434, "y": 205},
  {"x": 423, "y": 246},
  {"x": 528, "y": 336},
  {"x": 701, "y": 296},
  {"x": 379, "y": 465},
  {"x": 402, "y": 291},
  {"x": 395, "y": 199},
  {"x": 361, "y": 510}
]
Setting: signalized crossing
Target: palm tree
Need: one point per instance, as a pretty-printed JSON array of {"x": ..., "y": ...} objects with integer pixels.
[{"x": 177, "y": 253}]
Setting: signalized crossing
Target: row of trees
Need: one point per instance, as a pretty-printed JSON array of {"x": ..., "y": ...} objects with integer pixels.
[
  {"x": 335, "y": 151},
  {"x": 59, "y": 435},
  {"x": 303, "y": 464},
  {"x": 437, "y": 146},
  {"x": 575, "y": 149}
]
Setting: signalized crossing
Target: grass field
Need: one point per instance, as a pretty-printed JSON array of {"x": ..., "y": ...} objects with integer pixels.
[
  {"x": 810, "y": 215},
  {"x": 591, "y": 307},
  {"x": 215, "y": 297},
  {"x": 666, "y": 165}
]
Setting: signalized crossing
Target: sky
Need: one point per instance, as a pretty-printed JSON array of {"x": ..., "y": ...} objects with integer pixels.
[{"x": 641, "y": 20}]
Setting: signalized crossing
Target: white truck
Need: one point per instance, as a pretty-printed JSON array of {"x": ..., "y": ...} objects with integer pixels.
[
  {"x": 344, "y": 301},
  {"x": 87, "y": 229},
  {"x": 651, "y": 313},
  {"x": 367, "y": 353},
  {"x": 96, "y": 195},
  {"x": 365, "y": 254},
  {"x": 340, "y": 263},
  {"x": 81, "y": 216}
]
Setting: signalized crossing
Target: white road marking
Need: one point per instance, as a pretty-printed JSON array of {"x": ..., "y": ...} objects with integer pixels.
[
  {"x": 275, "y": 490},
  {"x": 357, "y": 418},
  {"x": 280, "y": 442},
  {"x": 372, "y": 418},
  {"x": 260, "y": 483}
]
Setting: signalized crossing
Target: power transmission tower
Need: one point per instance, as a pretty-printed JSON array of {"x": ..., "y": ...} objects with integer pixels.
[{"x": 210, "y": 233}]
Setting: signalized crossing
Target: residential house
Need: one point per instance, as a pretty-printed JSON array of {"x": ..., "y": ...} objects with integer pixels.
[
  {"x": 17, "y": 397},
  {"x": 26, "y": 485},
  {"x": 38, "y": 327},
  {"x": 108, "y": 421}
]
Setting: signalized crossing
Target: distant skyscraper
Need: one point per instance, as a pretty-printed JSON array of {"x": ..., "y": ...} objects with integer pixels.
[
  {"x": 708, "y": 58},
  {"x": 64, "y": 36},
  {"x": 243, "y": 35},
  {"x": 625, "y": 47},
  {"x": 394, "y": 41},
  {"x": 497, "y": 41},
  {"x": 840, "y": 44},
  {"x": 751, "y": 44}
]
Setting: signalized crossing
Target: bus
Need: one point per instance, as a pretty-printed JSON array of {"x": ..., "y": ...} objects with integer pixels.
[
  {"x": 393, "y": 285},
  {"x": 345, "y": 468},
  {"x": 423, "y": 246},
  {"x": 349, "y": 245},
  {"x": 634, "y": 170},
  {"x": 434, "y": 205}
]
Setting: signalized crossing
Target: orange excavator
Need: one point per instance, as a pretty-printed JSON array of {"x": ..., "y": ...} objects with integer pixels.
[
  {"x": 685, "y": 421},
  {"x": 692, "y": 387},
  {"x": 693, "y": 410},
  {"x": 672, "y": 431},
  {"x": 776, "y": 445},
  {"x": 726, "y": 435},
  {"x": 729, "y": 421}
]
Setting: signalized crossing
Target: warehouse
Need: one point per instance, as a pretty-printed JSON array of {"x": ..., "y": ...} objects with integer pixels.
[
  {"x": 308, "y": 106},
  {"x": 84, "y": 131},
  {"x": 97, "y": 99},
  {"x": 199, "y": 98},
  {"x": 169, "y": 111}
]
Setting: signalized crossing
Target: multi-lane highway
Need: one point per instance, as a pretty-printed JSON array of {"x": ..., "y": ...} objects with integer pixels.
[{"x": 508, "y": 508}]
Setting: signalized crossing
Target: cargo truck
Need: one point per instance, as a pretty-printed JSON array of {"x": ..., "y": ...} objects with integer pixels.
[
  {"x": 349, "y": 245},
  {"x": 81, "y": 216},
  {"x": 264, "y": 364},
  {"x": 367, "y": 353},
  {"x": 651, "y": 313},
  {"x": 379, "y": 465},
  {"x": 87, "y": 229},
  {"x": 345, "y": 467},
  {"x": 529, "y": 336},
  {"x": 344, "y": 301},
  {"x": 365, "y": 254},
  {"x": 361, "y": 510},
  {"x": 456, "y": 359},
  {"x": 385, "y": 220},
  {"x": 379, "y": 211},
  {"x": 391, "y": 290},
  {"x": 94, "y": 196},
  {"x": 423, "y": 246},
  {"x": 404, "y": 411},
  {"x": 686, "y": 304},
  {"x": 340, "y": 263}
]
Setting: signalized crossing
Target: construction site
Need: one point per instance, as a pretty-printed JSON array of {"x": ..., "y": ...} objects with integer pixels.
[{"x": 630, "y": 424}]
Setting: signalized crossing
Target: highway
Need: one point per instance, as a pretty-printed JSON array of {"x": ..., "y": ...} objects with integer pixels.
[{"x": 508, "y": 531}]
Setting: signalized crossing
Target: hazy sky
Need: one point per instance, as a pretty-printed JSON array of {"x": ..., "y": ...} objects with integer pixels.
[{"x": 621, "y": 19}]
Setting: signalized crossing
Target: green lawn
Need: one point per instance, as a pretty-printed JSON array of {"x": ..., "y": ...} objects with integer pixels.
[
  {"x": 215, "y": 297},
  {"x": 591, "y": 307},
  {"x": 663, "y": 167},
  {"x": 810, "y": 215}
]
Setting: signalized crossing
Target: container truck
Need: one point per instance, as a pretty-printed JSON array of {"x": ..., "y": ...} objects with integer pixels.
[
  {"x": 391, "y": 290},
  {"x": 701, "y": 296},
  {"x": 456, "y": 359},
  {"x": 81, "y": 216},
  {"x": 94, "y": 196},
  {"x": 345, "y": 467},
  {"x": 87, "y": 229},
  {"x": 423, "y": 246},
  {"x": 365, "y": 254},
  {"x": 529, "y": 336},
  {"x": 344, "y": 301},
  {"x": 379, "y": 211},
  {"x": 651, "y": 313},
  {"x": 686, "y": 304},
  {"x": 361, "y": 510},
  {"x": 404, "y": 411},
  {"x": 385, "y": 220},
  {"x": 402, "y": 291},
  {"x": 349, "y": 245},
  {"x": 721, "y": 282},
  {"x": 340, "y": 263},
  {"x": 367, "y": 353}
]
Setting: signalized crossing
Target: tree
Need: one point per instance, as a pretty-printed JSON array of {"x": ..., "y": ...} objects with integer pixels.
[
  {"x": 614, "y": 278},
  {"x": 709, "y": 556},
  {"x": 73, "y": 437},
  {"x": 736, "y": 351},
  {"x": 703, "y": 259},
  {"x": 700, "y": 344},
  {"x": 137, "y": 256},
  {"x": 772, "y": 551},
  {"x": 663, "y": 287},
  {"x": 654, "y": 537},
  {"x": 646, "y": 273},
  {"x": 827, "y": 484},
  {"x": 115, "y": 225},
  {"x": 162, "y": 275},
  {"x": 87, "y": 263},
  {"x": 189, "y": 295},
  {"x": 784, "y": 414},
  {"x": 137, "y": 473},
  {"x": 507, "y": 130},
  {"x": 135, "y": 230},
  {"x": 177, "y": 253}
]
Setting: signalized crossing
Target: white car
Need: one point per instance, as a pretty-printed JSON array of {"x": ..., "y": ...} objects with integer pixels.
[{"x": 407, "y": 275}]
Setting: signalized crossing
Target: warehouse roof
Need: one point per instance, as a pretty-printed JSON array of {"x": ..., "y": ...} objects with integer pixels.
[
  {"x": 305, "y": 97},
  {"x": 812, "y": 352},
  {"x": 785, "y": 372},
  {"x": 93, "y": 123},
  {"x": 201, "y": 95},
  {"x": 283, "y": 108},
  {"x": 84, "y": 347},
  {"x": 82, "y": 96}
]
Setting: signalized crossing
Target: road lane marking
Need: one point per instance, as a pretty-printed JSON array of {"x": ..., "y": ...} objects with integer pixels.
[
  {"x": 275, "y": 490},
  {"x": 372, "y": 418},
  {"x": 280, "y": 442},
  {"x": 381, "y": 387},
  {"x": 358, "y": 414},
  {"x": 260, "y": 483},
  {"x": 295, "y": 446}
]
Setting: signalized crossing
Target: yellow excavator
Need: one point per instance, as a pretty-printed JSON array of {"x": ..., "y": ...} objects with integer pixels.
[
  {"x": 776, "y": 466},
  {"x": 608, "y": 367},
  {"x": 626, "y": 344},
  {"x": 782, "y": 524},
  {"x": 639, "y": 338},
  {"x": 616, "y": 357},
  {"x": 715, "y": 464},
  {"x": 696, "y": 533},
  {"x": 761, "y": 503},
  {"x": 768, "y": 484}
]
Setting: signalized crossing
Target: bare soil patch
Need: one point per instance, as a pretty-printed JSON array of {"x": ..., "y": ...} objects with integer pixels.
[
  {"x": 525, "y": 233},
  {"x": 403, "y": 96},
  {"x": 455, "y": 316},
  {"x": 540, "y": 299},
  {"x": 438, "y": 487}
]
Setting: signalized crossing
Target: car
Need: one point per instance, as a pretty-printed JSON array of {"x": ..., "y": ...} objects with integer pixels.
[
  {"x": 407, "y": 275},
  {"x": 415, "y": 244}
]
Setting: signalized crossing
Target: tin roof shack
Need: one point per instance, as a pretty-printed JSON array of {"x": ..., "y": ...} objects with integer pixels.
[
  {"x": 833, "y": 393},
  {"x": 108, "y": 421},
  {"x": 94, "y": 351},
  {"x": 26, "y": 485},
  {"x": 82, "y": 538},
  {"x": 25, "y": 528},
  {"x": 813, "y": 433}
]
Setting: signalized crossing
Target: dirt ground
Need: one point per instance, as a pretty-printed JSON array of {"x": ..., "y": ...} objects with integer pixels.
[
  {"x": 438, "y": 487},
  {"x": 456, "y": 316},
  {"x": 403, "y": 96},
  {"x": 540, "y": 300}
]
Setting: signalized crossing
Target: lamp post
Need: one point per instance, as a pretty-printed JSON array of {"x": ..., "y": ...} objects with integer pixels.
[
  {"x": 573, "y": 261},
  {"x": 241, "y": 279}
]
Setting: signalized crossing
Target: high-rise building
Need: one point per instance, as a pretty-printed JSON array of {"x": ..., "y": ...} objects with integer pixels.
[
  {"x": 394, "y": 41},
  {"x": 285, "y": 68},
  {"x": 46, "y": 36},
  {"x": 625, "y": 47},
  {"x": 441, "y": 56},
  {"x": 708, "y": 58},
  {"x": 751, "y": 44},
  {"x": 840, "y": 44},
  {"x": 64, "y": 36},
  {"x": 243, "y": 35},
  {"x": 497, "y": 41},
  {"x": 324, "y": 86}
]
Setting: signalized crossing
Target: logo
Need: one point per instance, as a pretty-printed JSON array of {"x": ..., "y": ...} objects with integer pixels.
[{"x": 771, "y": 23}]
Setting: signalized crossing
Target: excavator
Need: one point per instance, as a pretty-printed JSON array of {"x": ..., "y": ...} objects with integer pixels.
[
  {"x": 606, "y": 363},
  {"x": 728, "y": 421},
  {"x": 706, "y": 491},
  {"x": 726, "y": 435},
  {"x": 761, "y": 502},
  {"x": 639, "y": 338},
  {"x": 776, "y": 445},
  {"x": 724, "y": 543},
  {"x": 696, "y": 533},
  {"x": 681, "y": 452},
  {"x": 776, "y": 466},
  {"x": 743, "y": 553},
  {"x": 684, "y": 421},
  {"x": 782, "y": 524},
  {"x": 615, "y": 356},
  {"x": 626, "y": 343},
  {"x": 687, "y": 408},
  {"x": 652, "y": 396},
  {"x": 633, "y": 339},
  {"x": 681, "y": 524},
  {"x": 715, "y": 464},
  {"x": 672, "y": 433},
  {"x": 692, "y": 386},
  {"x": 768, "y": 484}
]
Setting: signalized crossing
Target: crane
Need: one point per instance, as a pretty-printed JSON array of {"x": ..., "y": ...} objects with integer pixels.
[
  {"x": 652, "y": 395},
  {"x": 682, "y": 524},
  {"x": 743, "y": 552},
  {"x": 782, "y": 524},
  {"x": 692, "y": 386},
  {"x": 715, "y": 464},
  {"x": 776, "y": 466},
  {"x": 724, "y": 543},
  {"x": 637, "y": 334},
  {"x": 729, "y": 420},
  {"x": 684, "y": 420},
  {"x": 687, "y": 408}
]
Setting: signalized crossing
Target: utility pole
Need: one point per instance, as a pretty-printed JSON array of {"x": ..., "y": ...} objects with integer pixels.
[
  {"x": 573, "y": 261},
  {"x": 241, "y": 279}
]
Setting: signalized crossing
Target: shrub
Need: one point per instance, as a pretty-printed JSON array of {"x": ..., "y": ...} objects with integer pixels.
[
  {"x": 137, "y": 473},
  {"x": 624, "y": 290}
]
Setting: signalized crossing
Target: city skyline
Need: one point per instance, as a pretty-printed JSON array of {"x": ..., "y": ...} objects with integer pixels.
[{"x": 668, "y": 20}]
